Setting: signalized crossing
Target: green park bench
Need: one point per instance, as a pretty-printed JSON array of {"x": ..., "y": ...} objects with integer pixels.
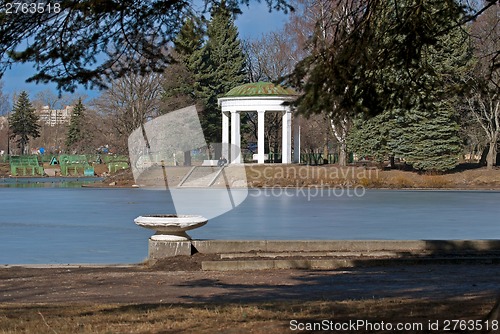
[
  {"x": 113, "y": 167},
  {"x": 24, "y": 165},
  {"x": 114, "y": 158},
  {"x": 75, "y": 164}
]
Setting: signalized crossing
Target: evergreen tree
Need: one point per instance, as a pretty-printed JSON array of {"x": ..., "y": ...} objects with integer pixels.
[
  {"x": 189, "y": 40},
  {"x": 129, "y": 37},
  {"x": 180, "y": 76},
  {"x": 75, "y": 130},
  {"x": 23, "y": 122},
  {"x": 375, "y": 137},
  {"x": 222, "y": 67},
  {"x": 350, "y": 71},
  {"x": 203, "y": 72},
  {"x": 426, "y": 134},
  {"x": 431, "y": 141}
]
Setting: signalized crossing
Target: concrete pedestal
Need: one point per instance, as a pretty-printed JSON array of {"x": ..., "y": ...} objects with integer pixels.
[{"x": 162, "y": 249}]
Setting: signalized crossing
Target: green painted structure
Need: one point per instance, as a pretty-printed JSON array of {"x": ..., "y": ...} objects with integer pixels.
[
  {"x": 25, "y": 165},
  {"x": 113, "y": 167},
  {"x": 74, "y": 165}
]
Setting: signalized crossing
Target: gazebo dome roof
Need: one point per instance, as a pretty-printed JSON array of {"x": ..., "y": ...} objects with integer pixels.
[{"x": 260, "y": 89}]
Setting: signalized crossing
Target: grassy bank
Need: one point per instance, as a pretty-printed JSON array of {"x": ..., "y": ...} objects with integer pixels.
[
  {"x": 277, "y": 175},
  {"x": 268, "y": 317},
  {"x": 332, "y": 176}
]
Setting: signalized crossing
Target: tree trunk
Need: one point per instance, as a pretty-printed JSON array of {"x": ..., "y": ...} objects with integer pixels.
[
  {"x": 484, "y": 154},
  {"x": 325, "y": 154},
  {"x": 187, "y": 158},
  {"x": 491, "y": 159},
  {"x": 392, "y": 163},
  {"x": 340, "y": 130},
  {"x": 343, "y": 154}
]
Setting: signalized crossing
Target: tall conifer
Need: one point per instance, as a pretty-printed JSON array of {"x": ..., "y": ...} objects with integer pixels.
[
  {"x": 23, "y": 122},
  {"x": 180, "y": 77},
  {"x": 222, "y": 64},
  {"x": 426, "y": 135},
  {"x": 75, "y": 130}
]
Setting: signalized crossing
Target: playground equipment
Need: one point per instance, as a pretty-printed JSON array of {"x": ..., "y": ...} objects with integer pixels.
[
  {"x": 113, "y": 167},
  {"x": 116, "y": 162},
  {"x": 75, "y": 164},
  {"x": 24, "y": 165}
]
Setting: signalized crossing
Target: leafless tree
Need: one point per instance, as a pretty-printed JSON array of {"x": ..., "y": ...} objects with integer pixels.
[
  {"x": 4, "y": 101},
  {"x": 315, "y": 136},
  {"x": 316, "y": 24},
  {"x": 272, "y": 131},
  {"x": 4, "y": 109},
  {"x": 52, "y": 100},
  {"x": 271, "y": 57},
  {"x": 129, "y": 102},
  {"x": 483, "y": 100}
]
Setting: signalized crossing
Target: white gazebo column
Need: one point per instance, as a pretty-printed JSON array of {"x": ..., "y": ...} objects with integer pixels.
[
  {"x": 225, "y": 135},
  {"x": 296, "y": 140},
  {"x": 287, "y": 137},
  {"x": 235, "y": 137},
  {"x": 260, "y": 136}
]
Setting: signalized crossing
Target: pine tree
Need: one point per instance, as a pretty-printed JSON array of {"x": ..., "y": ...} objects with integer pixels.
[
  {"x": 75, "y": 130},
  {"x": 431, "y": 141},
  {"x": 23, "y": 122},
  {"x": 189, "y": 40},
  {"x": 179, "y": 84},
  {"x": 426, "y": 135},
  {"x": 375, "y": 137},
  {"x": 222, "y": 67}
]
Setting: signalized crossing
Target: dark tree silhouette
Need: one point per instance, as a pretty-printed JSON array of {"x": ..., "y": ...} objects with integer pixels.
[{"x": 89, "y": 41}]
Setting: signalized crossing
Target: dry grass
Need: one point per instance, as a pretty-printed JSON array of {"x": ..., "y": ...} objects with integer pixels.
[
  {"x": 268, "y": 317},
  {"x": 277, "y": 175},
  {"x": 4, "y": 169},
  {"x": 302, "y": 176},
  {"x": 435, "y": 182},
  {"x": 375, "y": 182}
]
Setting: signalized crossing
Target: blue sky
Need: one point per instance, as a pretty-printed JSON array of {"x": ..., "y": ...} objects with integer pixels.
[{"x": 255, "y": 21}]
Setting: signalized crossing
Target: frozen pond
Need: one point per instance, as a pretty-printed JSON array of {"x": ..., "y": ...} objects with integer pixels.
[{"x": 90, "y": 225}]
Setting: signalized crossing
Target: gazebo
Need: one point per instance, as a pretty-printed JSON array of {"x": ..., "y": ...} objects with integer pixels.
[{"x": 260, "y": 97}]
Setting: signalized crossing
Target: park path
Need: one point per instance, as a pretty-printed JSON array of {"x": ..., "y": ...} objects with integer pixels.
[{"x": 138, "y": 284}]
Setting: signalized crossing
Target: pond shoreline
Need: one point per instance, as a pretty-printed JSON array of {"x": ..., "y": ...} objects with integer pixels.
[
  {"x": 301, "y": 176},
  {"x": 331, "y": 176}
]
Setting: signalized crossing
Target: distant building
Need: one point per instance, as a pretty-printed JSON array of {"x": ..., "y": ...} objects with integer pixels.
[{"x": 53, "y": 117}]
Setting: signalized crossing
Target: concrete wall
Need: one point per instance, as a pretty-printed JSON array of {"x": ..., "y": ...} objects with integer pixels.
[{"x": 162, "y": 249}]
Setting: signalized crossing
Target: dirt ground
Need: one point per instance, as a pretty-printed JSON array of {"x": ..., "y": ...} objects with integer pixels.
[
  {"x": 52, "y": 300},
  {"x": 142, "y": 284}
]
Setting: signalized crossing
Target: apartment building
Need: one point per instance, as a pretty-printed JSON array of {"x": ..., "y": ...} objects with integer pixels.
[{"x": 53, "y": 117}]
